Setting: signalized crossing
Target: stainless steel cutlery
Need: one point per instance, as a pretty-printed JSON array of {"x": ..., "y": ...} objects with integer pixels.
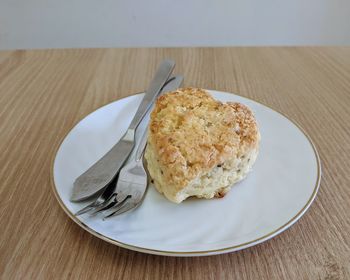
[
  {"x": 127, "y": 190},
  {"x": 99, "y": 175}
]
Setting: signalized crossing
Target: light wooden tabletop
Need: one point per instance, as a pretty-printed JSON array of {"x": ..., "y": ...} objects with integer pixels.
[{"x": 43, "y": 93}]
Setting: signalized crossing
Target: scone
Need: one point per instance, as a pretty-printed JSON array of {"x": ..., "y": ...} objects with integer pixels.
[{"x": 198, "y": 146}]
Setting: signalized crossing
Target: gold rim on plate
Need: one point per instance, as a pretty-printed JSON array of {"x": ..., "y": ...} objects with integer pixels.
[{"x": 205, "y": 252}]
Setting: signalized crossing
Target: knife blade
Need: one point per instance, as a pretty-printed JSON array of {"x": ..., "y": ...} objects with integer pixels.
[{"x": 104, "y": 170}]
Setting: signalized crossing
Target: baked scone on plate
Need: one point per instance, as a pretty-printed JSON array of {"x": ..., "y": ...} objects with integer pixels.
[{"x": 198, "y": 146}]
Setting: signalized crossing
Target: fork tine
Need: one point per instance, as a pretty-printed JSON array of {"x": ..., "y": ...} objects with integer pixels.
[
  {"x": 105, "y": 196},
  {"x": 86, "y": 209},
  {"x": 118, "y": 200},
  {"x": 124, "y": 208},
  {"x": 117, "y": 206},
  {"x": 110, "y": 202}
]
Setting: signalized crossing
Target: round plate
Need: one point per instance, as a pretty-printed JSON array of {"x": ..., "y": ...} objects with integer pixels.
[{"x": 282, "y": 185}]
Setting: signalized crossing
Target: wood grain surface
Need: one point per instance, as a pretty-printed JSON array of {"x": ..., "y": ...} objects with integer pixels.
[{"x": 43, "y": 93}]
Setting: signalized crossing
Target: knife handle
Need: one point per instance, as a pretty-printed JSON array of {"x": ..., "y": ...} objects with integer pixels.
[{"x": 162, "y": 75}]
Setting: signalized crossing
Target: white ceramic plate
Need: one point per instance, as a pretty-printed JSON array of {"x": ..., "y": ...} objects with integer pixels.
[{"x": 281, "y": 187}]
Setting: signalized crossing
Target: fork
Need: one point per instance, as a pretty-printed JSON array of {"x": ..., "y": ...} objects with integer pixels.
[
  {"x": 127, "y": 192},
  {"x": 131, "y": 185}
]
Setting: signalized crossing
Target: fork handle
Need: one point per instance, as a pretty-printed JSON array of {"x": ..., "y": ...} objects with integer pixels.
[
  {"x": 171, "y": 85},
  {"x": 142, "y": 146}
]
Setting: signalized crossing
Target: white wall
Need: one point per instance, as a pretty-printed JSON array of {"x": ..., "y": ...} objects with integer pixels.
[{"x": 118, "y": 23}]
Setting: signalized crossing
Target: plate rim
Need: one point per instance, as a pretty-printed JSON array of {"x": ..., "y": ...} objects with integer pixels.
[{"x": 234, "y": 248}]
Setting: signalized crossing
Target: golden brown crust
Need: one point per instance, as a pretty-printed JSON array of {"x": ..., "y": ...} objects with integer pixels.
[{"x": 191, "y": 133}]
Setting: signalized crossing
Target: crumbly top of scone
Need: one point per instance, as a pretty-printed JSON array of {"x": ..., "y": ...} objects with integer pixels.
[{"x": 191, "y": 132}]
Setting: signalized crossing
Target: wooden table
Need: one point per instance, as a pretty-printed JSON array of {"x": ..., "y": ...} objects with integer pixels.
[{"x": 44, "y": 93}]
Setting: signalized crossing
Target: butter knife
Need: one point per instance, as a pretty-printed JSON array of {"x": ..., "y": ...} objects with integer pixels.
[{"x": 104, "y": 170}]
